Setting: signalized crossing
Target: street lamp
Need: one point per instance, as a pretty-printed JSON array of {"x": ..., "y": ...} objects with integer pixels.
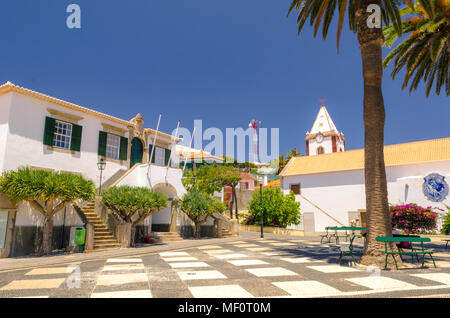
[
  {"x": 261, "y": 181},
  {"x": 101, "y": 166}
]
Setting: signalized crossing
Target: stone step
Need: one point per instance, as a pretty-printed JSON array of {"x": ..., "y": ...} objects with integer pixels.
[
  {"x": 105, "y": 241},
  {"x": 103, "y": 235},
  {"x": 92, "y": 217},
  {"x": 164, "y": 234},
  {"x": 102, "y": 232},
  {"x": 106, "y": 246},
  {"x": 98, "y": 225},
  {"x": 96, "y": 222},
  {"x": 165, "y": 237}
]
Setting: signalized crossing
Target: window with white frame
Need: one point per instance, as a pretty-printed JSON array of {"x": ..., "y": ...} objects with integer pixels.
[
  {"x": 159, "y": 156},
  {"x": 112, "y": 146},
  {"x": 62, "y": 135}
]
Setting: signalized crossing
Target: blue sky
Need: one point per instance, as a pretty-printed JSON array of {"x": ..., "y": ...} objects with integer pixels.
[{"x": 225, "y": 62}]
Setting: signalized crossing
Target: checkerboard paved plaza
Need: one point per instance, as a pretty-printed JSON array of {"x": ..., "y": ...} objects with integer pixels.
[{"x": 244, "y": 269}]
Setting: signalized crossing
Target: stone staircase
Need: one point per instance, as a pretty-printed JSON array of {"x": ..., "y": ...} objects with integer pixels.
[
  {"x": 165, "y": 237},
  {"x": 103, "y": 239},
  {"x": 226, "y": 233}
]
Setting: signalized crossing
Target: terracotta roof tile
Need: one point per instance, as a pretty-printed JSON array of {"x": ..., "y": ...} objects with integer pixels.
[{"x": 399, "y": 154}]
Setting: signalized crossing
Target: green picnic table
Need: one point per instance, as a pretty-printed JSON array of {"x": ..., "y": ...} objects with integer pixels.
[{"x": 414, "y": 250}]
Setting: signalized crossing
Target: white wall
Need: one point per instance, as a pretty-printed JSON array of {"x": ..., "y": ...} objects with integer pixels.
[
  {"x": 28, "y": 216},
  {"x": 25, "y": 146},
  {"x": 5, "y": 106},
  {"x": 338, "y": 193}
]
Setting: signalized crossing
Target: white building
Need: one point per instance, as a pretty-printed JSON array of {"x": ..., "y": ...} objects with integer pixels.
[
  {"x": 44, "y": 132},
  {"x": 330, "y": 184}
]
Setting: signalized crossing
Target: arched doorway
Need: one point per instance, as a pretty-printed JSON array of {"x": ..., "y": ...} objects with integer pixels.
[
  {"x": 137, "y": 150},
  {"x": 165, "y": 219}
]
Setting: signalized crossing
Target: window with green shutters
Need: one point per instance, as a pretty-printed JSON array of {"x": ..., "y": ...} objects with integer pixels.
[
  {"x": 112, "y": 146},
  {"x": 75, "y": 143},
  {"x": 62, "y": 134},
  {"x": 49, "y": 131},
  {"x": 167, "y": 156},
  {"x": 102, "y": 137},
  {"x": 123, "y": 148},
  {"x": 161, "y": 155},
  {"x": 150, "y": 147}
]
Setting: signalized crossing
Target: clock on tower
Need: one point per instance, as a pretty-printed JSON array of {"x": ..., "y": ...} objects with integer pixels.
[{"x": 324, "y": 137}]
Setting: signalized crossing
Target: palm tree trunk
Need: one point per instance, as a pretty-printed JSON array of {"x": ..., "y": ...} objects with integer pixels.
[
  {"x": 47, "y": 234},
  {"x": 378, "y": 220}
]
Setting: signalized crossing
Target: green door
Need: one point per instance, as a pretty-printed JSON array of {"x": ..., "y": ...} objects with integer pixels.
[{"x": 137, "y": 151}]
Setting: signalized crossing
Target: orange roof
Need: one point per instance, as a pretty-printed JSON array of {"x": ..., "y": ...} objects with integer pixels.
[
  {"x": 274, "y": 183},
  {"x": 199, "y": 155},
  {"x": 247, "y": 176},
  {"x": 399, "y": 154}
]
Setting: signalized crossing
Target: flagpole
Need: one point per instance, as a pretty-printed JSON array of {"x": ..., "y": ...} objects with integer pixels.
[
  {"x": 174, "y": 149},
  {"x": 154, "y": 144},
  {"x": 190, "y": 146}
]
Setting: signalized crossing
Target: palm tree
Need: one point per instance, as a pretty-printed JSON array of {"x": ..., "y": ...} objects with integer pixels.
[
  {"x": 371, "y": 41},
  {"x": 425, "y": 54}
]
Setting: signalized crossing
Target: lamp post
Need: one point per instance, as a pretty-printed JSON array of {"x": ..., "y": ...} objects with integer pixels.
[
  {"x": 101, "y": 166},
  {"x": 261, "y": 181}
]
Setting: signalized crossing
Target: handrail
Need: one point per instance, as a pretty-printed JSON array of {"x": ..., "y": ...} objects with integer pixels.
[
  {"x": 314, "y": 205},
  {"x": 125, "y": 174}
]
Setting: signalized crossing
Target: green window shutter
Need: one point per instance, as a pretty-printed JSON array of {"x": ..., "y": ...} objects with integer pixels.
[
  {"x": 152, "y": 160},
  {"x": 49, "y": 131},
  {"x": 75, "y": 143},
  {"x": 102, "y": 137},
  {"x": 123, "y": 155},
  {"x": 167, "y": 153}
]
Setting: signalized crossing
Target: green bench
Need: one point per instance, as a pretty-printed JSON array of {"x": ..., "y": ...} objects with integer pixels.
[
  {"x": 348, "y": 249},
  {"x": 326, "y": 236},
  {"x": 413, "y": 252},
  {"x": 446, "y": 245},
  {"x": 346, "y": 234}
]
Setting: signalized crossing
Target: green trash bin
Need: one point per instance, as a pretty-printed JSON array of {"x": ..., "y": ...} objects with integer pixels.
[{"x": 80, "y": 237}]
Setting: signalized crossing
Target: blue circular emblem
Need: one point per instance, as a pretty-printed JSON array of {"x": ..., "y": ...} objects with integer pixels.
[{"x": 435, "y": 188}]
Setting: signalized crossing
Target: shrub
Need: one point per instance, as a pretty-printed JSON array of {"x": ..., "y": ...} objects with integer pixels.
[
  {"x": 412, "y": 218},
  {"x": 278, "y": 209}
]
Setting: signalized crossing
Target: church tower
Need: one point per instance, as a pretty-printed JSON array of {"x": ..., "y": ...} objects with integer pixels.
[{"x": 324, "y": 136}]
